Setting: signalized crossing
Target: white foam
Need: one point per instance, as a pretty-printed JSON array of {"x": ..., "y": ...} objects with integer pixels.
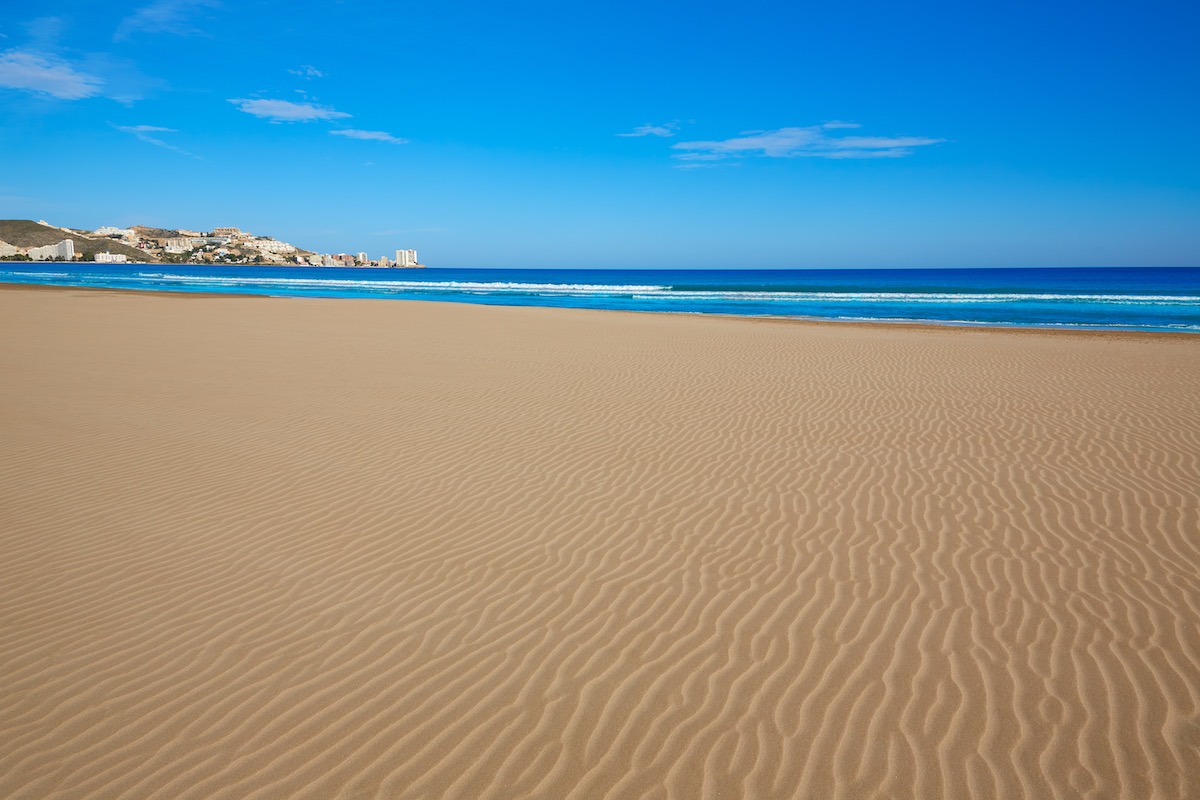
[
  {"x": 16, "y": 274},
  {"x": 645, "y": 292},
  {"x": 453, "y": 286},
  {"x": 920, "y": 297}
]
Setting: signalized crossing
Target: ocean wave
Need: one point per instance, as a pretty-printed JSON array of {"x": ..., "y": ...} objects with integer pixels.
[
  {"x": 436, "y": 286},
  {"x": 16, "y": 274},
  {"x": 650, "y": 292},
  {"x": 644, "y": 292},
  {"x": 1096, "y": 308},
  {"x": 919, "y": 297}
]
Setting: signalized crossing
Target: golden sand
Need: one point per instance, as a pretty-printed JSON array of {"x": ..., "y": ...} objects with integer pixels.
[{"x": 257, "y": 548}]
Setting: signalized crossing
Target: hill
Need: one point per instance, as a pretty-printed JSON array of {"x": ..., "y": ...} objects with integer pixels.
[
  {"x": 156, "y": 233},
  {"x": 27, "y": 233}
]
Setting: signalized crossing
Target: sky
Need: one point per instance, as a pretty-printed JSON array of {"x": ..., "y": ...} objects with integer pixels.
[{"x": 618, "y": 134}]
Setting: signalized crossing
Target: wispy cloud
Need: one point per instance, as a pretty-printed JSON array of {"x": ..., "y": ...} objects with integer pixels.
[
  {"x": 666, "y": 129},
  {"x": 307, "y": 71},
  {"x": 814, "y": 141},
  {"x": 44, "y": 33},
  {"x": 123, "y": 81},
  {"x": 46, "y": 75},
  {"x": 286, "y": 111},
  {"x": 163, "y": 16},
  {"x": 373, "y": 136},
  {"x": 146, "y": 133},
  {"x": 706, "y": 164}
]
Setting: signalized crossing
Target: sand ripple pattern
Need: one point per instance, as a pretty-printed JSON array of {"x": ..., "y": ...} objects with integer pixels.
[{"x": 255, "y": 548}]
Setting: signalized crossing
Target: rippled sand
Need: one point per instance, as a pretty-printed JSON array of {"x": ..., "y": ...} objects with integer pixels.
[{"x": 325, "y": 549}]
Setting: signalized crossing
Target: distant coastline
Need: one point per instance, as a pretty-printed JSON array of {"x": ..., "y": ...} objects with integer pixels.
[{"x": 27, "y": 240}]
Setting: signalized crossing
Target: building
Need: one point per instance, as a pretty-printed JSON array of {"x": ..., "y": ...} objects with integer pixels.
[
  {"x": 108, "y": 230},
  {"x": 406, "y": 258},
  {"x": 111, "y": 258},
  {"x": 230, "y": 232},
  {"x": 265, "y": 244},
  {"x": 64, "y": 250},
  {"x": 361, "y": 258},
  {"x": 384, "y": 261}
]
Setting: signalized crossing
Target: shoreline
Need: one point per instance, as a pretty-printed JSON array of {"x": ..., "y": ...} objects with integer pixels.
[{"x": 1115, "y": 333}]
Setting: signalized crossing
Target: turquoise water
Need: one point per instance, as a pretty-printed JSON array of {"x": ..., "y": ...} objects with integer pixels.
[{"x": 1160, "y": 299}]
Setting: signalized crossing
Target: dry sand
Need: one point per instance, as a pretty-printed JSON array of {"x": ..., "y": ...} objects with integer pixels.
[{"x": 345, "y": 548}]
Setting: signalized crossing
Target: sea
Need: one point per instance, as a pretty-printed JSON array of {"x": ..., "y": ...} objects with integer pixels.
[{"x": 1143, "y": 298}]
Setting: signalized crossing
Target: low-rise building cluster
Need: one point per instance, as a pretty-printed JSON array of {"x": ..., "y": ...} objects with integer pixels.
[{"x": 228, "y": 245}]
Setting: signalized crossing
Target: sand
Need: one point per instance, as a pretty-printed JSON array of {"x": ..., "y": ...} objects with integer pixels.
[{"x": 274, "y": 548}]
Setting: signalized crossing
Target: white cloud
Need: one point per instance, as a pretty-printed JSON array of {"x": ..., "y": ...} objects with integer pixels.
[
  {"x": 163, "y": 16},
  {"x": 46, "y": 75},
  {"x": 307, "y": 71},
  {"x": 706, "y": 164},
  {"x": 286, "y": 111},
  {"x": 374, "y": 136},
  {"x": 666, "y": 129},
  {"x": 813, "y": 141},
  {"x": 143, "y": 132},
  {"x": 123, "y": 81}
]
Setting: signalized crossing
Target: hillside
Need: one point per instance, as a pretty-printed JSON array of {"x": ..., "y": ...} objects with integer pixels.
[
  {"x": 27, "y": 233},
  {"x": 156, "y": 233}
]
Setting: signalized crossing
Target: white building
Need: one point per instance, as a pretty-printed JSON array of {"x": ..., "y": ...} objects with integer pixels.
[
  {"x": 111, "y": 258},
  {"x": 384, "y": 261},
  {"x": 406, "y": 258},
  {"x": 361, "y": 258},
  {"x": 108, "y": 230},
  {"x": 265, "y": 244},
  {"x": 64, "y": 250}
]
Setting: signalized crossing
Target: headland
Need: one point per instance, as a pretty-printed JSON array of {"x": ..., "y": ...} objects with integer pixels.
[{"x": 26, "y": 240}]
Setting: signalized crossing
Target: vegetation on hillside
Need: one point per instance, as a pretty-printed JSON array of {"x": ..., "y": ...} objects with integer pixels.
[{"x": 27, "y": 233}]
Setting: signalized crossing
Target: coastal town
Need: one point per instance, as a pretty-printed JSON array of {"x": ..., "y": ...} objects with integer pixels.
[{"x": 25, "y": 240}]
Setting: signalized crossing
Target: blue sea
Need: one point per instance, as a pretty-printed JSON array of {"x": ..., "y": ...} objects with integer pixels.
[{"x": 1155, "y": 299}]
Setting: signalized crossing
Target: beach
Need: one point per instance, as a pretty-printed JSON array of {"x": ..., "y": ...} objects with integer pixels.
[{"x": 327, "y": 548}]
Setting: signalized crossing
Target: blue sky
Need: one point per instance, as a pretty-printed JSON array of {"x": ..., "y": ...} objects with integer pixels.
[{"x": 550, "y": 134}]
